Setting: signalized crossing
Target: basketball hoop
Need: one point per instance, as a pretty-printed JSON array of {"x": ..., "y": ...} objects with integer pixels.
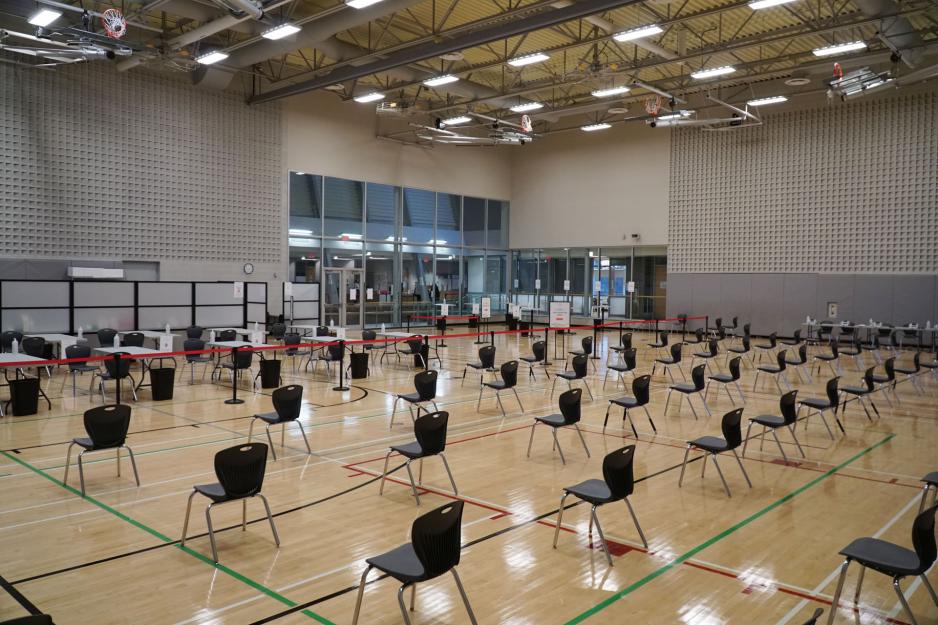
[
  {"x": 526, "y": 125},
  {"x": 115, "y": 26},
  {"x": 838, "y": 71},
  {"x": 653, "y": 105}
]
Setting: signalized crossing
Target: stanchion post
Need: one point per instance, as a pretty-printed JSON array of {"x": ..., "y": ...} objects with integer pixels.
[
  {"x": 706, "y": 323},
  {"x": 442, "y": 343},
  {"x": 234, "y": 378},
  {"x": 481, "y": 326},
  {"x": 546, "y": 344},
  {"x": 408, "y": 323},
  {"x": 492, "y": 337},
  {"x": 117, "y": 371},
  {"x": 426, "y": 344},
  {"x": 656, "y": 332},
  {"x": 341, "y": 386},
  {"x": 620, "y": 333},
  {"x": 595, "y": 338}
]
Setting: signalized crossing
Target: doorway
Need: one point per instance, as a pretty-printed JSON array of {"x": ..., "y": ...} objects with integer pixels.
[{"x": 342, "y": 298}]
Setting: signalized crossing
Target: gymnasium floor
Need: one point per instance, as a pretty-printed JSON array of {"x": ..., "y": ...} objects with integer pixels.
[{"x": 768, "y": 555}]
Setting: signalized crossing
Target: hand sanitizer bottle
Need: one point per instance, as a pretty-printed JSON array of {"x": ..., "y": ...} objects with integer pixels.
[
  {"x": 81, "y": 333},
  {"x": 117, "y": 340},
  {"x": 15, "y": 346},
  {"x": 382, "y": 328},
  {"x": 167, "y": 329},
  {"x": 211, "y": 336}
]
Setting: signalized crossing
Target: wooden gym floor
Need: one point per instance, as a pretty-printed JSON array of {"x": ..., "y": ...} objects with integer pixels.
[{"x": 768, "y": 555}]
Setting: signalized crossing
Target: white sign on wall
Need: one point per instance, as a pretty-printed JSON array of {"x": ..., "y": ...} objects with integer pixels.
[
  {"x": 238, "y": 290},
  {"x": 486, "y": 307},
  {"x": 352, "y": 295},
  {"x": 444, "y": 310},
  {"x": 560, "y": 314},
  {"x": 288, "y": 289},
  {"x": 166, "y": 343},
  {"x": 475, "y": 309},
  {"x": 537, "y": 285},
  {"x": 597, "y": 286},
  {"x": 566, "y": 285},
  {"x": 630, "y": 287},
  {"x": 369, "y": 294}
]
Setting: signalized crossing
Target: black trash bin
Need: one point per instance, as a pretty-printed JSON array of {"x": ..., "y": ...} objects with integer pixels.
[
  {"x": 425, "y": 352},
  {"x": 512, "y": 322},
  {"x": 525, "y": 327},
  {"x": 473, "y": 322},
  {"x": 441, "y": 324},
  {"x": 24, "y": 396},
  {"x": 359, "y": 365},
  {"x": 270, "y": 373},
  {"x": 161, "y": 383}
]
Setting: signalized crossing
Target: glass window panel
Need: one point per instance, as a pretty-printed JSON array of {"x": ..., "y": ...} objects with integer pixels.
[
  {"x": 497, "y": 224},
  {"x": 447, "y": 278},
  {"x": 553, "y": 270},
  {"x": 305, "y": 204},
  {"x": 495, "y": 275},
  {"x": 343, "y": 207},
  {"x": 448, "y": 219},
  {"x": 650, "y": 275},
  {"x": 473, "y": 278},
  {"x": 382, "y": 201},
  {"x": 416, "y": 281},
  {"x": 304, "y": 263},
  {"x": 419, "y": 207},
  {"x": 343, "y": 254},
  {"x": 525, "y": 270},
  {"x": 473, "y": 221},
  {"x": 379, "y": 277}
]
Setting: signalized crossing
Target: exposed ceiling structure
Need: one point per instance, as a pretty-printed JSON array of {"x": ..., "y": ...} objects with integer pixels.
[{"x": 599, "y": 61}]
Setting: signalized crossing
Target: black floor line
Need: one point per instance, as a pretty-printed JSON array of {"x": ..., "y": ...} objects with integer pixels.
[{"x": 19, "y": 597}]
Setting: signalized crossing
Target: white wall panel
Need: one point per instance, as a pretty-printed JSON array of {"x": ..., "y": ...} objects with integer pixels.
[
  {"x": 41, "y": 294},
  {"x": 104, "y": 294},
  {"x": 219, "y": 316},
  {"x": 164, "y": 293},
  {"x": 157, "y": 318},
  {"x": 91, "y": 319},
  {"x": 50, "y": 320}
]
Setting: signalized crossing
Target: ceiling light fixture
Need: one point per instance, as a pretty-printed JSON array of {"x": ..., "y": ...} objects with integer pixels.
[
  {"x": 436, "y": 242},
  {"x": 211, "y": 58},
  {"x": 840, "y": 48},
  {"x": 775, "y": 99},
  {"x": 710, "y": 73},
  {"x": 361, "y": 4},
  {"x": 440, "y": 80},
  {"x": 607, "y": 93},
  {"x": 764, "y": 4},
  {"x": 676, "y": 115},
  {"x": 459, "y": 119},
  {"x": 527, "y": 106},
  {"x": 279, "y": 32},
  {"x": 369, "y": 97},
  {"x": 528, "y": 59},
  {"x": 595, "y": 127},
  {"x": 638, "y": 33},
  {"x": 43, "y": 17},
  {"x": 300, "y": 231}
]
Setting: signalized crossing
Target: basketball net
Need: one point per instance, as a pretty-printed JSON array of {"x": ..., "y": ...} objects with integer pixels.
[
  {"x": 526, "y": 124},
  {"x": 838, "y": 71},
  {"x": 115, "y": 26},
  {"x": 653, "y": 105}
]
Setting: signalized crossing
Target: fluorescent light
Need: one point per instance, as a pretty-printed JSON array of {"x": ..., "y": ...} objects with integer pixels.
[
  {"x": 300, "y": 231},
  {"x": 361, "y": 4},
  {"x": 369, "y": 97},
  {"x": 775, "y": 99},
  {"x": 710, "y": 73},
  {"x": 436, "y": 242},
  {"x": 595, "y": 127},
  {"x": 460, "y": 119},
  {"x": 279, "y": 32},
  {"x": 764, "y": 4},
  {"x": 605, "y": 93},
  {"x": 43, "y": 17},
  {"x": 840, "y": 48},
  {"x": 211, "y": 58},
  {"x": 440, "y": 80},
  {"x": 638, "y": 33},
  {"x": 391, "y": 238},
  {"x": 676, "y": 115},
  {"x": 348, "y": 235},
  {"x": 527, "y": 106},
  {"x": 528, "y": 59}
]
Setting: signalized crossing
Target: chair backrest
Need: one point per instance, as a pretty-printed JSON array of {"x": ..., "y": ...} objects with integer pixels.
[
  {"x": 618, "y": 472},
  {"x": 415, "y": 344},
  {"x": 796, "y": 335},
  {"x": 437, "y": 538},
  {"x": 787, "y": 405},
  {"x": 718, "y": 323},
  {"x": 714, "y": 343},
  {"x": 734, "y": 368},
  {"x": 539, "y": 348},
  {"x": 6, "y": 339},
  {"x": 587, "y": 344},
  {"x": 732, "y": 430},
  {"x": 781, "y": 358},
  {"x": 923, "y": 538},
  {"x": 226, "y": 335},
  {"x": 369, "y": 335},
  {"x": 664, "y": 338},
  {"x": 191, "y": 345},
  {"x": 291, "y": 339},
  {"x": 277, "y": 330},
  {"x": 570, "y": 405},
  {"x": 626, "y": 340},
  {"x": 835, "y": 347},
  {"x": 288, "y": 402},
  {"x": 194, "y": 332},
  {"x": 430, "y": 430},
  {"x": 579, "y": 364},
  {"x": 487, "y": 356},
  {"x": 244, "y": 359},
  {"x": 629, "y": 357},
  {"x": 676, "y": 353},
  {"x": 735, "y": 322},
  {"x": 773, "y": 339},
  {"x": 697, "y": 375},
  {"x": 77, "y": 351},
  {"x": 337, "y": 351},
  {"x": 33, "y": 346},
  {"x": 747, "y": 329},
  {"x": 118, "y": 372},
  {"x": 917, "y": 361},
  {"x": 747, "y": 342},
  {"x": 698, "y": 335},
  {"x": 833, "y": 394},
  {"x": 425, "y": 384},
  {"x": 240, "y": 469},
  {"x": 890, "y": 366},
  {"x": 802, "y": 353},
  {"x": 509, "y": 372},
  {"x": 322, "y": 330},
  {"x": 132, "y": 339},
  {"x": 107, "y": 425},
  {"x": 106, "y": 337},
  {"x": 38, "y": 619},
  {"x": 641, "y": 389},
  {"x": 868, "y": 378}
]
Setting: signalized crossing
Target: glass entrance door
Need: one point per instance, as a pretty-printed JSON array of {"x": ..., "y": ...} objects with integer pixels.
[{"x": 342, "y": 297}]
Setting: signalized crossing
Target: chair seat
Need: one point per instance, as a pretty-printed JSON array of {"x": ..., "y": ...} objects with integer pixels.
[
  {"x": 198, "y": 359},
  {"x": 665, "y": 361},
  {"x": 763, "y": 345},
  {"x": 402, "y": 564},
  {"x": 703, "y": 355},
  {"x": 684, "y": 388},
  {"x": 553, "y": 420},
  {"x": 931, "y": 478},
  {"x": 531, "y": 359},
  {"x": 722, "y": 378},
  {"x": 850, "y": 352},
  {"x": 593, "y": 491},
  {"x": 625, "y": 402},
  {"x": 577, "y": 352},
  {"x": 268, "y": 417},
  {"x": 769, "y": 420},
  {"x": 930, "y": 365},
  {"x": 619, "y": 368},
  {"x": 816, "y": 402},
  {"x": 883, "y": 556},
  {"x": 567, "y": 375},
  {"x": 81, "y": 367},
  {"x": 855, "y": 390},
  {"x": 87, "y": 443},
  {"x": 905, "y": 371},
  {"x": 656, "y": 345},
  {"x": 737, "y": 350},
  {"x": 825, "y": 357},
  {"x": 713, "y": 444},
  {"x": 769, "y": 369},
  {"x": 881, "y": 379},
  {"x": 478, "y": 365},
  {"x": 411, "y": 397},
  {"x": 410, "y": 450},
  {"x": 618, "y": 348},
  {"x": 215, "y": 492},
  {"x": 496, "y": 384}
]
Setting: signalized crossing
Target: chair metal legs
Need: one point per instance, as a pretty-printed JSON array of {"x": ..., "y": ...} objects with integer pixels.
[
  {"x": 717, "y": 465},
  {"x": 635, "y": 521},
  {"x": 81, "y": 470},
  {"x": 563, "y": 498},
  {"x": 557, "y": 445},
  {"x": 361, "y": 594},
  {"x": 602, "y": 538},
  {"x": 211, "y": 529},
  {"x": 283, "y": 428},
  {"x": 840, "y": 588},
  {"x": 903, "y": 601},
  {"x": 449, "y": 473},
  {"x": 400, "y": 597},
  {"x": 465, "y": 599}
]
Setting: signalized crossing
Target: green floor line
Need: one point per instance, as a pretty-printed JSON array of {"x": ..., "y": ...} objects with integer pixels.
[
  {"x": 166, "y": 539},
  {"x": 715, "y": 539}
]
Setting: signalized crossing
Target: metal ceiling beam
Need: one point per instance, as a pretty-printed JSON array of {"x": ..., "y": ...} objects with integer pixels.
[{"x": 435, "y": 49}]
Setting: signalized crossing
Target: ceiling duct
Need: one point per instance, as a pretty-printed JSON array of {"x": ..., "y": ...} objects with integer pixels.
[
  {"x": 242, "y": 8},
  {"x": 895, "y": 30},
  {"x": 609, "y": 27}
]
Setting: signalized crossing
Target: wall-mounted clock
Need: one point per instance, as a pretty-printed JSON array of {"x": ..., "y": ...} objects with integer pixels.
[{"x": 248, "y": 268}]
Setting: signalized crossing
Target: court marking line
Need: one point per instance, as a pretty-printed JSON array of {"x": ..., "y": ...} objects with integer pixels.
[
  {"x": 718, "y": 537},
  {"x": 21, "y": 599},
  {"x": 166, "y": 539}
]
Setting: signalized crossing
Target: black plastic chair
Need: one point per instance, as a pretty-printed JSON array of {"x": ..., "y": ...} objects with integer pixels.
[
  {"x": 744, "y": 349},
  {"x": 226, "y": 335},
  {"x": 485, "y": 363},
  {"x": 861, "y": 394},
  {"x": 240, "y": 472},
  {"x": 931, "y": 482},
  {"x": 822, "y": 405},
  {"x": 673, "y": 361},
  {"x": 537, "y": 357},
  {"x": 777, "y": 371},
  {"x": 569, "y": 416},
  {"x": 641, "y": 396},
  {"x": 374, "y": 348},
  {"x": 714, "y": 445},
  {"x": 661, "y": 343},
  {"x": 794, "y": 341},
  {"x": 887, "y": 382},
  {"x": 194, "y": 345},
  {"x": 6, "y": 340},
  {"x": 911, "y": 373},
  {"x": 697, "y": 386},
  {"x": 77, "y": 368},
  {"x": 242, "y": 362},
  {"x": 194, "y": 332},
  {"x": 627, "y": 365},
  {"x": 106, "y": 337},
  {"x": 35, "y": 346},
  {"x": 579, "y": 364},
  {"x": 333, "y": 353},
  {"x": 698, "y": 338},
  {"x": 430, "y": 432},
  {"x": 425, "y": 384},
  {"x": 292, "y": 342},
  {"x": 766, "y": 348},
  {"x": 625, "y": 344},
  {"x": 802, "y": 366},
  {"x": 713, "y": 350},
  {"x": 873, "y": 345},
  {"x": 288, "y": 403},
  {"x": 586, "y": 349},
  {"x": 854, "y": 350},
  {"x": 893, "y": 560},
  {"x": 277, "y": 331},
  {"x": 132, "y": 339},
  {"x": 117, "y": 372},
  {"x": 107, "y": 429},
  {"x": 617, "y": 484},
  {"x": 38, "y": 619},
  {"x": 434, "y": 550},
  {"x": 770, "y": 423},
  {"x": 725, "y": 379},
  {"x": 830, "y": 359},
  {"x": 509, "y": 374}
]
